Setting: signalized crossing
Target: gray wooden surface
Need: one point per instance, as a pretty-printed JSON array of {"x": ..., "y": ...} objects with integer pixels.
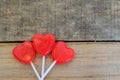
[{"x": 70, "y": 20}]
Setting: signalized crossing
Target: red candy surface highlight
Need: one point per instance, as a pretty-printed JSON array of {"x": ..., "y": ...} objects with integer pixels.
[
  {"x": 24, "y": 53},
  {"x": 43, "y": 44},
  {"x": 61, "y": 53}
]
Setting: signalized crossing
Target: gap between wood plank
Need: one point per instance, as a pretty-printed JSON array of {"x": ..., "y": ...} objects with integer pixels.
[{"x": 66, "y": 41}]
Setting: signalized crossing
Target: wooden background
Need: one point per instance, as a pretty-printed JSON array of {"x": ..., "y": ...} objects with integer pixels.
[
  {"x": 69, "y": 20},
  {"x": 93, "y": 61}
]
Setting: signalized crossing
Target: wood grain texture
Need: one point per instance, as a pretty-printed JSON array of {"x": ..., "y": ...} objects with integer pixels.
[
  {"x": 93, "y": 61},
  {"x": 70, "y": 20}
]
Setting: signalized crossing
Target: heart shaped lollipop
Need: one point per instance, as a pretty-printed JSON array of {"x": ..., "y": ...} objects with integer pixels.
[
  {"x": 60, "y": 54},
  {"x": 25, "y": 53},
  {"x": 43, "y": 45}
]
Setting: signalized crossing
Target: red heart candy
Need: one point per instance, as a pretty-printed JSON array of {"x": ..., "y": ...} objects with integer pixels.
[
  {"x": 24, "y": 53},
  {"x": 61, "y": 53},
  {"x": 43, "y": 43}
]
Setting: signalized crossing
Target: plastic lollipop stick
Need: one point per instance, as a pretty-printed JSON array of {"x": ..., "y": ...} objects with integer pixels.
[
  {"x": 25, "y": 53},
  {"x": 48, "y": 70},
  {"x": 61, "y": 54},
  {"x": 43, "y": 65},
  {"x": 35, "y": 70}
]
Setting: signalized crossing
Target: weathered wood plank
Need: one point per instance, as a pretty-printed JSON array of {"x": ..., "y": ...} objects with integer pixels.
[
  {"x": 68, "y": 19},
  {"x": 93, "y": 61}
]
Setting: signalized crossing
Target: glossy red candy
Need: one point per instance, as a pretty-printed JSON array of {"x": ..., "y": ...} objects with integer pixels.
[
  {"x": 24, "y": 53},
  {"x": 43, "y": 43},
  {"x": 61, "y": 53}
]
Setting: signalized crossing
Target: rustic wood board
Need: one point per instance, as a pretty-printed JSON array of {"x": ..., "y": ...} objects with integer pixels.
[
  {"x": 93, "y": 61},
  {"x": 70, "y": 20}
]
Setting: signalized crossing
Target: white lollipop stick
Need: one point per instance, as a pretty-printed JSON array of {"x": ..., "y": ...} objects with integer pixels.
[
  {"x": 48, "y": 70},
  {"x": 43, "y": 66},
  {"x": 35, "y": 70}
]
